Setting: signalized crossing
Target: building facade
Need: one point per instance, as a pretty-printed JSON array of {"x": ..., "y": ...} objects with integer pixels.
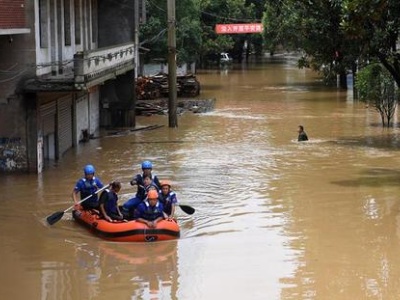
[{"x": 66, "y": 67}]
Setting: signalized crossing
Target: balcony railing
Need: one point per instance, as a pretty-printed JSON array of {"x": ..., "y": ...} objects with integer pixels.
[{"x": 96, "y": 66}]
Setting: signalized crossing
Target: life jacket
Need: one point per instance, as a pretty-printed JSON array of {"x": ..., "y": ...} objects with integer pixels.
[
  {"x": 166, "y": 200},
  {"x": 151, "y": 213},
  {"x": 89, "y": 187}
]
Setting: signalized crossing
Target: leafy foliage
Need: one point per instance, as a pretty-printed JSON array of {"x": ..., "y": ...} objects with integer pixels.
[
  {"x": 225, "y": 12},
  {"x": 195, "y": 31},
  {"x": 376, "y": 86},
  {"x": 314, "y": 27},
  {"x": 154, "y": 33},
  {"x": 334, "y": 35},
  {"x": 374, "y": 25}
]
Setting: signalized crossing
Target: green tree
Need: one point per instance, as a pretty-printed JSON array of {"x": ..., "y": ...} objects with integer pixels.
[
  {"x": 313, "y": 27},
  {"x": 196, "y": 20},
  {"x": 224, "y": 12},
  {"x": 153, "y": 34},
  {"x": 377, "y": 87},
  {"x": 374, "y": 26},
  {"x": 336, "y": 34}
]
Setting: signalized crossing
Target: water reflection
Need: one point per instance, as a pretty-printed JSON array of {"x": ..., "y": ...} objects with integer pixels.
[{"x": 113, "y": 270}]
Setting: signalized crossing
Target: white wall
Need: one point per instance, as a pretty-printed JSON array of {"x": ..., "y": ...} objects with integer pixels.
[
  {"x": 94, "y": 111},
  {"x": 82, "y": 120},
  {"x": 47, "y": 58}
]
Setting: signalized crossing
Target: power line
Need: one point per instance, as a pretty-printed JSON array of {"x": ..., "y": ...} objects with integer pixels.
[
  {"x": 231, "y": 19},
  {"x": 209, "y": 14},
  {"x": 154, "y": 38},
  {"x": 158, "y": 7},
  {"x": 15, "y": 76},
  {"x": 9, "y": 69}
]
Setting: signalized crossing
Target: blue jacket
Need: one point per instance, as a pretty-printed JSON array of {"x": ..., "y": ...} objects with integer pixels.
[
  {"x": 167, "y": 201},
  {"x": 147, "y": 212},
  {"x": 88, "y": 187}
]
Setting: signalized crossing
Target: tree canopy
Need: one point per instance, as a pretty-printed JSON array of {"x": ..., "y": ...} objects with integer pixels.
[
  {"x": 225, "y": 12},
  {"x": 195, "y": 30},
  {"x": 374, "y": 26},
  {"x": 153, "y": 34},
  {"x": 313, "y": 27},
  {"x": 335, "y": 35}
]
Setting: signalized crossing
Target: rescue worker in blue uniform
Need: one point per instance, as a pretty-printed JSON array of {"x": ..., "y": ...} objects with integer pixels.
[
  {"x": 86, "y": 186},
  {"x": 150, "y": 211},
  {"x": 129, "y": 206},
  {"x": 109, "y": 203}
]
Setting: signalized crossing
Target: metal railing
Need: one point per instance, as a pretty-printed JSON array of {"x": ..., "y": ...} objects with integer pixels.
[{"x": 96, "y": 66}]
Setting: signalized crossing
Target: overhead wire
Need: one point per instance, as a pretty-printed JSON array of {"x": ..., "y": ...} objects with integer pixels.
[
  {"x": 15, "y": 76},
  {"x": 10, "y": 68},
  {"x": 110, "y": 55},
  {"x": 230, "y": 19}
]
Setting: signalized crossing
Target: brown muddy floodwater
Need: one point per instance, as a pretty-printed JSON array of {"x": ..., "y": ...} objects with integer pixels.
[{"x": 275, "y": 219}]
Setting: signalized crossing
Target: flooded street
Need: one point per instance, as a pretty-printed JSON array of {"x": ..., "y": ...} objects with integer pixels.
[{"x": 275, "y": 219}]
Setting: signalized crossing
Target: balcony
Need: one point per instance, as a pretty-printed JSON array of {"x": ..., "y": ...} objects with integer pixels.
[
  {"x": 87, "y": 69},
  {"x": 12, "y": 31},
  {"x": 96, "y": 66}
]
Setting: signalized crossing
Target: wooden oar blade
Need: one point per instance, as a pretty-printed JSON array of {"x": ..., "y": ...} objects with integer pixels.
[
  {"x": 187, "y": 209},
  {"x": 55, "y": 217}
]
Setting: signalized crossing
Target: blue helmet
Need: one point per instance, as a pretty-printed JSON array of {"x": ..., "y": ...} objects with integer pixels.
[
  {"x": 88, "y": 169},
  {"x": 147, "y": 165}
]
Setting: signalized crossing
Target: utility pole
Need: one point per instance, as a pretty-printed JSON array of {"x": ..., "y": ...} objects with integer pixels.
[
  {"x": 136, "y": 63},
  {"x": 172, "y": 107},
  {"x": 136, "y": 15}
]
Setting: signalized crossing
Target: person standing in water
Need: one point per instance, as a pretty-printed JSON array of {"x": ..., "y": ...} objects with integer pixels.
[{"x": 302, "y": 134}]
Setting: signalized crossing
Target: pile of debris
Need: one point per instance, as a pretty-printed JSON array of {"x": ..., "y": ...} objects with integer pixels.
[
  {"x": 160, "y": 107},
  {"x": 156, "y": 86}
]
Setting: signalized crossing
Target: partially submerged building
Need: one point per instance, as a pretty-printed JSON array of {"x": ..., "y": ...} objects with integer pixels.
[{"x": 61, "y": 65}]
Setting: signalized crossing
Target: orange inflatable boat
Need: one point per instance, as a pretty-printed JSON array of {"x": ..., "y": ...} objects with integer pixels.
[{"x": 131, "y": 231}]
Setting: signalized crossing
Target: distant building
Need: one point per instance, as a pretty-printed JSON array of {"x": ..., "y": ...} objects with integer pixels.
[{"x": 66, "y": 67}]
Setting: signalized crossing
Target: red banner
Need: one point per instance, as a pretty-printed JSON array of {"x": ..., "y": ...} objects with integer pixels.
[{"x": 238, "y": 28}]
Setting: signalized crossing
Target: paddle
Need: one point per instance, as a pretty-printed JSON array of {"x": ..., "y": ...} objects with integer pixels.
[
  {"x": 59, "y": 214},
  {"x": 187, "y": 209}
]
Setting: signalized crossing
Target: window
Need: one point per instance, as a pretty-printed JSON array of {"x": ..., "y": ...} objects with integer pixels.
[
  {"x": 94, "y": 21},
  {"x": 67, "y": 22},
  {"x": 43, "y": 23},
  {"x": 78, "y": 14}
]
